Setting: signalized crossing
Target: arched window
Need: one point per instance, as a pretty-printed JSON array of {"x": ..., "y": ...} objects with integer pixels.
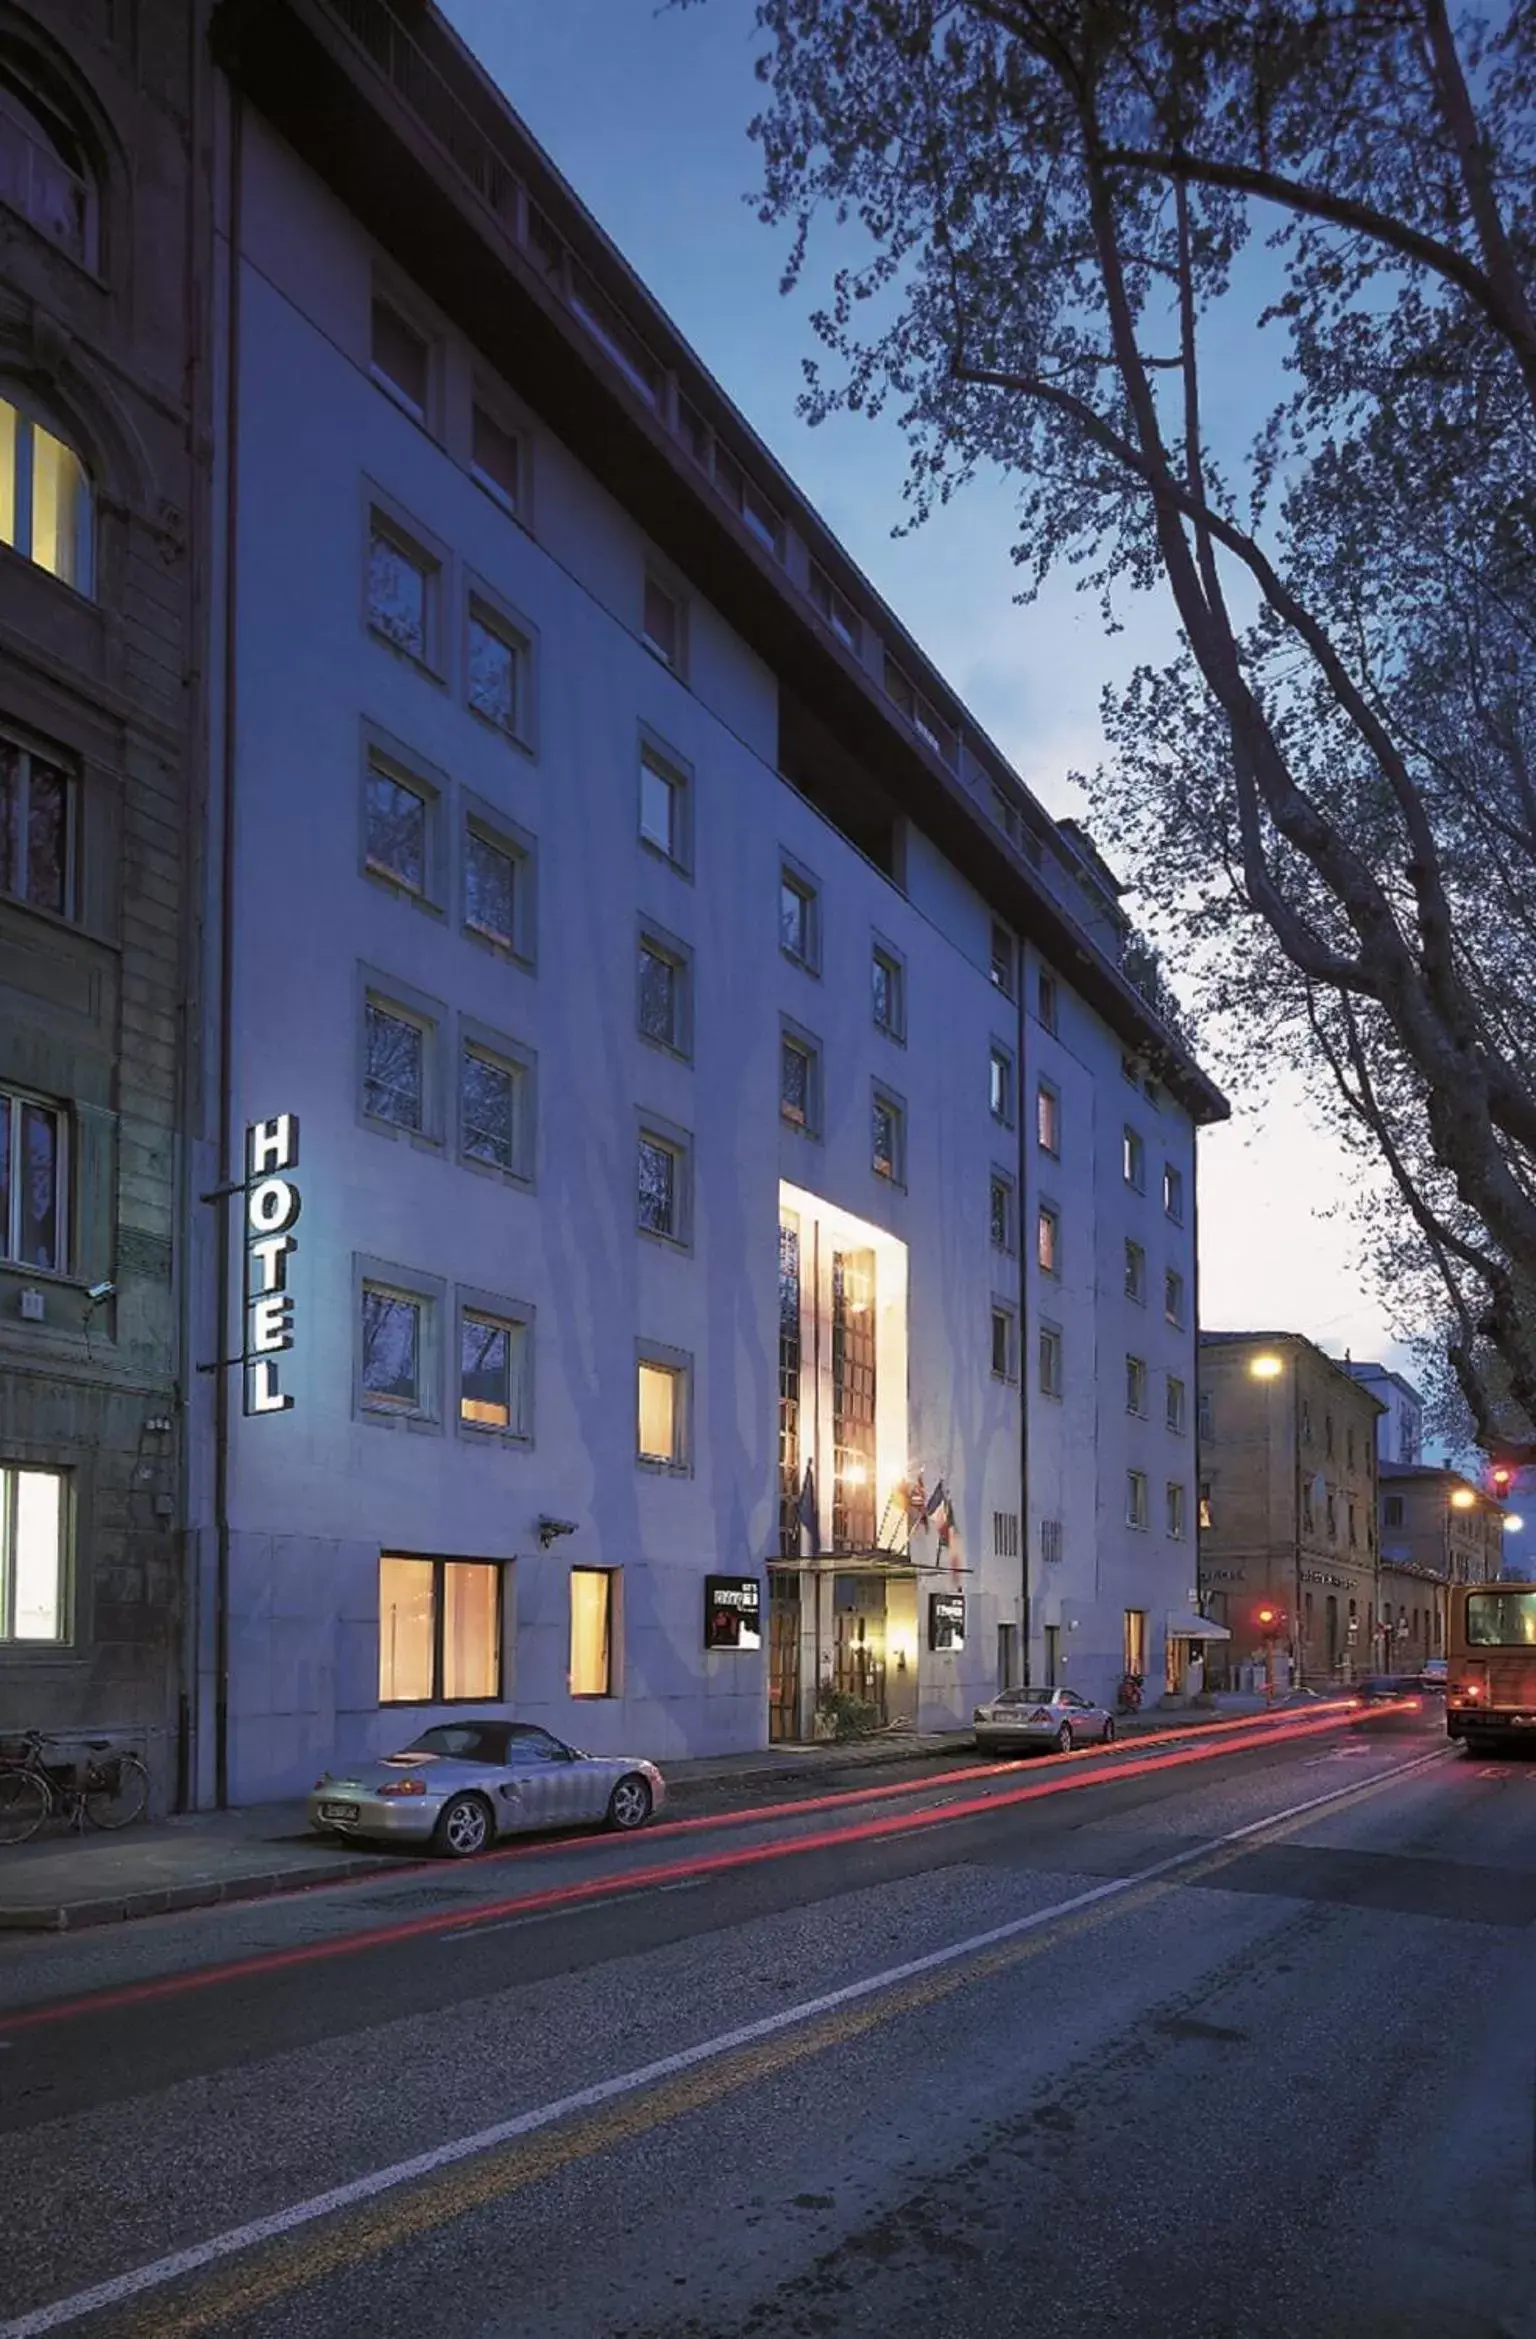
[
  {"x": 44, "y": 173},
  {"x": 45, "y": 496}
]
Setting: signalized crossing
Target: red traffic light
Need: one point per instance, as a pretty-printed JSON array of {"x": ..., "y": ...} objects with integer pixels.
[
  {"x": 1503, "y": 1478},
  {"x": 1268, "y": 1619}
]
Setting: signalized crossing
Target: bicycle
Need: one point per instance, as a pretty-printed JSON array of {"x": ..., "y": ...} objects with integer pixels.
[{"x": 103, "y": 1784}]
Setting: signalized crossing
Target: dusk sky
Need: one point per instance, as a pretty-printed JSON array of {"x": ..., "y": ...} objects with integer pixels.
[{"x": 645, "y": 110}]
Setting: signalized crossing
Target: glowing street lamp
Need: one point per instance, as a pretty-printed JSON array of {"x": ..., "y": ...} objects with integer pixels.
[
  {"x": 1512, "y": 1523},
  {"x": 1266, "y": 1367},
  {"x": 1462, "y": 1498}
]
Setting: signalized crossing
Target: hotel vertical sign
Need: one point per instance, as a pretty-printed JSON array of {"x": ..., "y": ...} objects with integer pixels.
[{"x": 271, "y": 1213}]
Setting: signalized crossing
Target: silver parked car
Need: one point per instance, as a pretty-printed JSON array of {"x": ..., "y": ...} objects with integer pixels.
[
  {"x": 461, "y": 1785},
  {"x": 1057, "y": 1718}
]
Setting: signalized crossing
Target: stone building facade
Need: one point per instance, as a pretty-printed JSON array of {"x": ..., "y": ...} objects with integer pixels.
[
  {"x": 101, "y": 446},
  {"x": 1437, "y": 1529},
  {"x": 1288, "y": 1479}
]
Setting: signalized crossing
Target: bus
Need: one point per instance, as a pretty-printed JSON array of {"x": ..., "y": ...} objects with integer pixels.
[{"x": 1490, "y": 1648}]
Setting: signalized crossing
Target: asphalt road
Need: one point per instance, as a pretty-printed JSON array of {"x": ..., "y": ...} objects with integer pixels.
[{"x": 1183, "y": 2041}]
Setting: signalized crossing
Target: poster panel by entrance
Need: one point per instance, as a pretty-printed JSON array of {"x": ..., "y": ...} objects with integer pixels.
[
  {"x": 946, "y": 1620},
  {"x": 733, "y": 1612}
]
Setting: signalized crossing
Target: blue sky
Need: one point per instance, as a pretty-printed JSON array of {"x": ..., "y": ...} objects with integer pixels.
[{"x": 645, "y": 111}]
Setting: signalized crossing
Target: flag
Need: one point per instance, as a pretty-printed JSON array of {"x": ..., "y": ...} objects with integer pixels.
[
  {"x": 947, "y": 1534},
  {"x": 916, "y": 1501},
  {"x": 938, "y": 1500},
  {"x": 806, "y": 1508}
]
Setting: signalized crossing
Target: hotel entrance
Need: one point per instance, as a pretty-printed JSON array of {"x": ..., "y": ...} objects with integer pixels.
[{"x": 874, "y": 1644}]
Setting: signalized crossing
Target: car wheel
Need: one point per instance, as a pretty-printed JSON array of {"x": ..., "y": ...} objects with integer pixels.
[
  {"x": 1108, "y": 1738},
  {"x": 629, "y": 1806},
  {"x": 1064, "y": 1739},
  {"x": 464, "y": 1828}
]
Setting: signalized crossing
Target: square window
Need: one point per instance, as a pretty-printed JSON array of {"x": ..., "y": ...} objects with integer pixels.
[
  {"x": 798, "y": 1100},
  {"x": 1046, "y": 1008},
  {"x": 392, "y": 1361},
  {"x": 1002, "y": 959},
  {"x": 798, "y": 937},
  {"x": 35, "y": 1584},
  {"x": 1176, "y": 1411},
  {"x": 402, "y": 591},
  {"x": 1135, "y": 1385},
  {"x": 394, "y": 1069},
  {"x": 495, "y": 457},
  {"x": 493, "y": 1110},
  {"x": 1136, "y": 1273},
  {"x": 887, "y": 981},
  {"x": 1133, "y": 1160},
  {"x": 498, "y": 672},
  {"x": 492, "y": 1373},
  {"x": 36, "y": 840},
  {"x": 1173, "y": 1193},
  {"x": 663, "y": 808},
  {"x": 1002, "y": 1343},
  {"x": 1050, "y": 1361},
  {"x": 1173, "y": 1297},
  {"x": 439, "y": 1631},
  {"x": 490, "y": 888},
  {"x": 1048, "y": 1240},
  {"x": 1048, "y": 1118},
  {"x": 592, "y": 1621},
  {"x": 402, "y": 357},
  {"x": 888, "y": 1139},
  {"x": 1173, "y": 1511},
  {"x": 661, "y": 1185},
  {"x": 661, "y": 1412},
  {"x": 397, "y": 824},
  {"x": 836, "y": 611},
  {"x": 1136, "y": 1498},
  {"x": 665, "y": 621},
  {"x": 1001, "y": 1212},
  {"x": 34, "y": 1182},
  {"x": 1000, "y": 1085}
]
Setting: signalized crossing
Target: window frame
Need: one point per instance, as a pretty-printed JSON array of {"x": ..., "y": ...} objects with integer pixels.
[
  {"x": 392, "y": 760},
  {"x": 67, "y": 767},
  {"x": 1173, "y": 1193},
  {"x": 613, "y": 1578},
  {"x": 1047, "y": 1001},
  {"x": 1175, "y": 1510},
  {"x": 510, "y": 1315},
  {"x": 1135, "y": 1272},
  {"x": 481, "y": 820},
  {"x": 407, "y": 314},
  {"x": 1137, "y": 1502},
  {"x": 1176, "y": 1405},
  {"x": 428, "y": 1293},
  {"x": 677, "y": 773},
  {"x": 1048, "y": 1108},
  {"x": 666, "y": 1137},
  {"x": 835, "y": 610},
  {"x": 32, "y": 416},
  {"x": 884, "y": 1099},
  {"x": 885, "y": 954},
  {"x": 661, "y": 582},
  {"x": 1048, "y": 1215},
  {"x": 655, "y": 940},
  {"x": 495, "y": 615},
  {"x": 1136, "y": 1387},
  {"x": 13, "y": 1644},
  {"x": 658, "y": 1357},
  {"x": 1004, "y": 1318},
  {"x": 405, "y": 1005},
  {"x": 440, "y": 1562},
  {"x": 1001, "y": 1181},
  {"x": 383, "y": 515},
  {"x": 1003, "y": 962},
  {"x": 999, "y": 1054},
  {"x": 794, "y": 1035},
  {"x": 795, "y": 878},
  {"x": 49, "y": 129},
  {"x": 514, "y": 1057},
  {"x": 1133, "y": 1159},
  {"x": 516, "y": 502},
  {"x": 1175, "y": 1299},
  {"x": 66, "y": 1148},
  {"x": 1050, "y": 1343}
]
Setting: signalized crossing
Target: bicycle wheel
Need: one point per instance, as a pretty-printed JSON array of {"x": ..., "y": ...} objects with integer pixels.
[
  {"x": 116, "y": 1791},
  {"x": 25, "y": 1803}
]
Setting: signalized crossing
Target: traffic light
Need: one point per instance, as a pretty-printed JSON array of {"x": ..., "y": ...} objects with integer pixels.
[
  {"x": 1269, "y": 1619},
  {"x": 1503, "y": 1478}
]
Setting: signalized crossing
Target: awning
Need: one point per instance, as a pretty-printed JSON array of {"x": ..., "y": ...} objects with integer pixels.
[{"x": 1185, "y": 1627}]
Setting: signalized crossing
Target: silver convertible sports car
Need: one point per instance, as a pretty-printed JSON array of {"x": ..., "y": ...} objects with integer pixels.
[
  {"x": 461, "y": 1785},
  {"x": 1057, "y": 1718}
]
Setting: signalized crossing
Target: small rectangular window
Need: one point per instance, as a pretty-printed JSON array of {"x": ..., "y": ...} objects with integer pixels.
[
  {"x": 798, "y": 1097},
  {"x": 1002, "y": 1199},
  {"x": 1133, "y": 1160},
  {"x": 402, "y": 358},
  {"x": 493, "y": 1111},
  {"x": 393, "y": 1361},
  {"x": 1206, "y": 1518},
  {"x": 1135, "y": 1385},
  {"x": 663, "y": 808},
  {"x": 662, "y": 1394},
  {"x": 1136, "y": 1273},
  {"x": 1173, "y": 1297},
  {"x": 492, "y": 1373},
  {"x": 1048, "y": 1118},
  {"x": 664, "y": 623},
  {"x": 439, "y": 1631},
  {"x": 1136, "y": 1498},
  {"x": 496, "y": 457},
  {"x": 592, "y": 1621},
  {"x": 490, "y": 888},
  {"x": 403, "y": 586},
  {"x": 1050, "y": 1541},
  {"x": 888, "y": 1139},
  {"x": 1002, "y": 1344},
  {"x": 1173, "y": 1511},
  {"x": 797, "y": 918},
  {"x": 1001, "y": 963},
  {"x": 1173, "y": 1193},
  {"x": 836, "y": 611},
  {"x": 1392, "y": 1510},
  {"x": 36, "y": 824},
  {"x": 1207, "y": 1415},
  {"x": 664, "y": 995},
  {"x": 1175, "y": 1409},
  {"x": 395, "y": 1066},
  {"x": 1046, "y": 1006},
  {"x": 661, "y": 1185},
  {"x": 34, "y": 1182},
  {"x": 1000, "y": 1086},
  {"x": 1048, "y": 1240},
  {"x": 887, "y": 977},
  {"x": 35, "y": 1582},
  {"x": 398, "y": 818},
  {"x": 497, "y": 671},
  {"x": 1050, "y": 1361}
]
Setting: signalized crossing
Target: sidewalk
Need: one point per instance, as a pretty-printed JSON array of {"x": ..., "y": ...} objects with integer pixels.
[{"x": 60, "y": 1883}]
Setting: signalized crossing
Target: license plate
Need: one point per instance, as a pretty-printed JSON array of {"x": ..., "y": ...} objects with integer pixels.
[{"x": 338, "y": 1810}]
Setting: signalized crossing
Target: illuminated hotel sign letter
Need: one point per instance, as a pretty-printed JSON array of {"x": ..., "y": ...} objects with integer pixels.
[{"x": 271, "y": 1212}]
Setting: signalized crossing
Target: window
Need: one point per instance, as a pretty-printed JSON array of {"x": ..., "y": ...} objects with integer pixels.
[
  {"x": 498, "y": 672},
  {"x": 836, "y": 611},
  {"x": 36, "y": 822},
  {"x": 1050, "y": 1361},
  {"x": 495, "y": 873},
  {"x": 1048, "y": 1240},
  {"x": 1207, "y": 1415},
  {"x": 1349, "y": 1445},
  {"x": 1173, "y": 1511},
  {"x": 662, "y": 1401},
  {"x": 663, "y": 807},
  {"x": 798, "y": 938},
  {"x": 1133, "y": 1160},
  {"x": 496, "y": 1108},
  {"x": 1206, "y": 1518},
  {"x": 1332, "y": 1502},
  {"x": 799, "y": 1101},
  {"x": 929, "y": 726},
  {"x": 1328, "y": 1435},
  {"x": 1135, "y": 1385},
  {"x": 1002, "y": 1343},
  {"x": 45, "y": 497},
  {"x": 1005, "y": 1534},
  {"x": 1000, "y": 1085},
  {"x": 34, "y": 1555},
  {"x": 1306, "y": 1421},
  {"x": 1176, "y": 1406},
  {"x": 1173, "y": 1297},
  {"x": 394, "y": 1066},
  {"x": 664, "y": 623},
  {"x": 749, "y": 500},
  {"x": 1308, "y": 1514},
  {"x": 1050, "y": 1541},
  {"x": 662, "y": 1183},
  {"x": 1001, "y": 963},
  {"x": 439, "y": 1631},
  {"x": 494, "y": 1357},
  {"x": 888, "y": 992},
  {"x": 1136, "y": 1498},
  {"x": 44, "y": 174},
  {"x": 665, "y": 992},
  {"x": 1048, "y": 1118},
  {"x": 397, "y": 823},
  {"x": 1173, "y": 1193},
  {"x": 403, "y": 591},
  {"x": 592, "y": 1618},
  {"x": 1002, "y": 1201},
  {"x": 495, "y": 457},
  {"x": 1136, "y": 1273},
  {"x": 1392, "y": 1510},
  {"x": 1354, "y": 1526},
  {"x": 1134, "y": 1642},
  {"x": 34, "y": 1182},
  {"x": 402, "y": 358},
  {"x": 1046, "y": 1008},
  {"x": 888, "y": 1138},
  {"x": 394, "y": 1377}
]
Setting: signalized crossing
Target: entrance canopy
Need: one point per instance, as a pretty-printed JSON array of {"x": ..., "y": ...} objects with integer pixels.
[{"x": 1195, "y": 1628}]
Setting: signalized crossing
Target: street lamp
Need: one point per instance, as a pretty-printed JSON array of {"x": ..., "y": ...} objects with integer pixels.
[
  {"x": 1512, "y": 1523},
  {"x": 1462, "y": 1498},
  {"x": 1266, "y": 1367}
]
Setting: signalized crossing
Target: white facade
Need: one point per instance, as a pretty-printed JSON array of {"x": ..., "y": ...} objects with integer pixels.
[
  {"x": 1400, "y": 1425},
  {"x": 353, "y": 1516}
]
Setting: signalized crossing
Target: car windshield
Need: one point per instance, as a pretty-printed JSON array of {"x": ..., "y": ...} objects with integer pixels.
[
  {"x": 463, "y": 1741},
  {"x": 1025, "y": 1697}
]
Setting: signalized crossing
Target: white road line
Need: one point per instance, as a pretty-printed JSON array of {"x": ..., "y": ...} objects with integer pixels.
[{"x": 239, "y": 2238}]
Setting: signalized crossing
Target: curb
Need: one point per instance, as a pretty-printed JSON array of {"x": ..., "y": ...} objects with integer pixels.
[{"x": 166, "y": 1899}]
